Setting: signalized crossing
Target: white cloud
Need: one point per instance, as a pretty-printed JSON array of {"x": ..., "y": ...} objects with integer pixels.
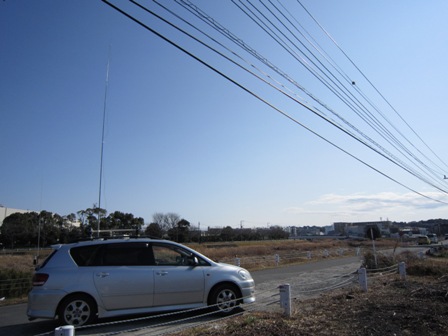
[{"x": 365, "y": 207}]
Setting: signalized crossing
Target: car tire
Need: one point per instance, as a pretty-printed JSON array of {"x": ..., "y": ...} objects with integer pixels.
[
  {"x": 77, "y": 310},
  {"x": 224, "y": 299}
]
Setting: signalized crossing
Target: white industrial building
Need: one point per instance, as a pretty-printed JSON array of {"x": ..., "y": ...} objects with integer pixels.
[{"x": 5, "y": 212}]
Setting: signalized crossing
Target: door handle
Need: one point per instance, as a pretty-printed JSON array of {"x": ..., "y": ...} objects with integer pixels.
[
  {"x": 102, "y": 274},
  {"x": 162, "y": 273}
]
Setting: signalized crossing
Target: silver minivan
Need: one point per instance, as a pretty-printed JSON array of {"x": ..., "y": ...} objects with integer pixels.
[{"x": 83, "y": 281}]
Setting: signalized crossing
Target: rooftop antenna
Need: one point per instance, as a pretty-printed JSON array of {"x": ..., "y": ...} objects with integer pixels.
[{"x": 102, "y": 144}]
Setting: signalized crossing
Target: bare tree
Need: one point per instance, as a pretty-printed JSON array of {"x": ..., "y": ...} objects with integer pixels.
[
  {"x": 171, "y": 220},
  {"x": 166, "y": 221}
]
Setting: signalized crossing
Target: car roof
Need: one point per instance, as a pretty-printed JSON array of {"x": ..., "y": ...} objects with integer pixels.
[{"x": 101, "y": 241}]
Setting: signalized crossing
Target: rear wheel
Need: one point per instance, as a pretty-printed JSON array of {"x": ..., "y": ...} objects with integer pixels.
[
  {"x": 224, "y": 298},
  {"x": 77, "y": 310}
]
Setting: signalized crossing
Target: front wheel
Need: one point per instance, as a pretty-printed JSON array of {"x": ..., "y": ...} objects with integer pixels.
[
  {"x": 77, "y": 310},
  {"x": 224, "y": 298}
]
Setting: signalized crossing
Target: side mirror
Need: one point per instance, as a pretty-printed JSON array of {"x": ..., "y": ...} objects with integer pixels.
[{"x": 193, "y": 261}]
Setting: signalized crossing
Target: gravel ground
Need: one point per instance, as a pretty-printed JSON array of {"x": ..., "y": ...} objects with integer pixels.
[
  {"x": 418, "y": 306},
  {"x": 303, "y": 285},
  {"x": 391, "y": 306}
]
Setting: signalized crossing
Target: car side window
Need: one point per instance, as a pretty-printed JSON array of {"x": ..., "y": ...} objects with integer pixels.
[
  {"x": 85, "y": 255},
  {"x": 114, "y": 254},
  {"x": 166, "y": 256},
  {"x": 127, "y": 254},
  {"x": 134, "y": 254},
  {"x": 170, "y": 255}
]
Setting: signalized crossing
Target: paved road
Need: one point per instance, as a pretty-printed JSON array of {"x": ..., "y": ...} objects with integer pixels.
[
  {"x": 14, "y": 322},
  {"x": 286, "y": 273}
]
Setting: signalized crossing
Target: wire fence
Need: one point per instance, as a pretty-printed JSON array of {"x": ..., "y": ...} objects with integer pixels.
[
  {"x": 14, "y": 287},
  {"x": 268, "y": 299},
  {"x": 285, "y": 258}
]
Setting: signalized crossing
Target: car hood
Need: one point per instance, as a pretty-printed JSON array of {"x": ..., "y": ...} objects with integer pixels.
[{"x": 234, "y": 268}]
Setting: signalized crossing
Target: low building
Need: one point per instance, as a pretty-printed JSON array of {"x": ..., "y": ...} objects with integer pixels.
[
  {"x": 5, "y": 212},
  {"x": 359, "y": 229}
]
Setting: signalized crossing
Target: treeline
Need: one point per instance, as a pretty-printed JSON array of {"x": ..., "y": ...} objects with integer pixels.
[
  {"x": 32, "y": 229},
  {"x": 171, "y": 226}
]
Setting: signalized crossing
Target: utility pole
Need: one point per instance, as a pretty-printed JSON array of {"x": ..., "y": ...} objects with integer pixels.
[{"x": 102, "y": 144}]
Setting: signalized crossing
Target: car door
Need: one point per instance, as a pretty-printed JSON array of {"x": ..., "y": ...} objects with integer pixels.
[
  {"x": 177, "y": 280},
  {"x": 124, "y": 277}
]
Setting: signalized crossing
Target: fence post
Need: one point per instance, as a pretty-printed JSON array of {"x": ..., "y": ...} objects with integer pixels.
[
  {"x": 238, "y": 262},
  {"x": 402, "y": 270},
  {"x": 67, "y": 330},
  {"x": 285, "y": 299},
  {"x": 362, "y": 276},
  {"x": 277, "y": 260}
]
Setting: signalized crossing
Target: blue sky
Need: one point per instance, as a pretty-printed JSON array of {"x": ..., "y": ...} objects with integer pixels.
[{"x": 181, "y": 138}]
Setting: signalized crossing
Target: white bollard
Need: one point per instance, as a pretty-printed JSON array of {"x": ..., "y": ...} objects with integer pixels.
[
  {"x": 402, "y": 270},
  {"x": 67, "y": 330},
  {"x": 308, "y": 255},
  {"x": 362, "y": 276},
  {"x": 285, "y": 299},
  {"x": 238, "y": 262}
]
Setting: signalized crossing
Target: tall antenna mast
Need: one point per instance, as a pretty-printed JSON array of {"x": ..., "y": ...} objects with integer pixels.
[{"x": 102, "y": 144}]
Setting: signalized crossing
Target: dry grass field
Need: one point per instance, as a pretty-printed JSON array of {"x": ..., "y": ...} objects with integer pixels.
[
  {"x": 417, "y": 306},
  {"x": 16, "y": 268},
  {"x": 290, "y": 251},
  {"x": 226, "y": 251}
]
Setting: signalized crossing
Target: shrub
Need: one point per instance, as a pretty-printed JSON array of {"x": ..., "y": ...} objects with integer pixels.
[{"x": 382, "y": 260}]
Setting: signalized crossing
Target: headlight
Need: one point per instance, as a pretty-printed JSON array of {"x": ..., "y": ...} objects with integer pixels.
[{"x": 244, "y": 275}]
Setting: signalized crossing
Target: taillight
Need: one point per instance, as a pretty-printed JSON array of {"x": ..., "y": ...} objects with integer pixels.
[{"x": 39, "y": 279}]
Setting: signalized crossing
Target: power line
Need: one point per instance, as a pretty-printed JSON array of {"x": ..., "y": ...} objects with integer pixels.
[
  {"x": 350, "y": 100},
  {"x": 255, "y": 95},
  {"x": 375, "y": 88},
  {"x": 213, "y": 23}
]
